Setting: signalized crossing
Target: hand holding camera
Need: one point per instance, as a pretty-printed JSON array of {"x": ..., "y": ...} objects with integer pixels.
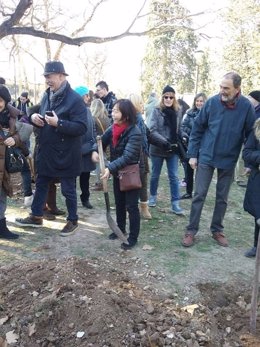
[{"x": 51, "y": 118}]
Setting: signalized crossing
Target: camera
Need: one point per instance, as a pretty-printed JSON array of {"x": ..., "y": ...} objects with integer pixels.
[{"x": 49, "y": 113}]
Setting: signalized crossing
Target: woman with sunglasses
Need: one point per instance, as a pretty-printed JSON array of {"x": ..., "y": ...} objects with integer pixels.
[{"x": 164, "y": 127}]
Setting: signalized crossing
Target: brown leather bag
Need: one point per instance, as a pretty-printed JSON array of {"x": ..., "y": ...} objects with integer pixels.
[{"x": 129, "y": 178}]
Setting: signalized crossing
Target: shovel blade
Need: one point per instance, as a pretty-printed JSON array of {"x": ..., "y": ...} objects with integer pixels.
[{"x": 115, "y": 228}]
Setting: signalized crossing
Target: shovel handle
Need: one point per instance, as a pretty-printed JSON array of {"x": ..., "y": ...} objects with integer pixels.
[{"x": 102, "y": 162}]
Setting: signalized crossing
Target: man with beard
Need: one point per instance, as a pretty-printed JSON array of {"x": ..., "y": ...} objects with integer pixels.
[
  {"x": 218, "y": 133},
  {"x": 107, "y": 97},
  {"x": 62, "y": 120}
]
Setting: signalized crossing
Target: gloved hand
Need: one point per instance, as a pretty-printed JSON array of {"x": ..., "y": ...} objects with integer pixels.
[{"x": 171, "y": 147}]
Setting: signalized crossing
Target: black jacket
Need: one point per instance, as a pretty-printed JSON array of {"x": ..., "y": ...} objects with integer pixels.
[
  {"x": 251, "y": 155},
  {"x": 187, "y": 122},
  {"x": 127, "y": 150},
  {"x": 59, "y": 149},
  {"x": 88, "y": 142}
]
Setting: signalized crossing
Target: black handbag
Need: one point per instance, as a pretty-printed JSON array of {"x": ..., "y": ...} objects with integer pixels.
[{"x": 14, "y": 159}]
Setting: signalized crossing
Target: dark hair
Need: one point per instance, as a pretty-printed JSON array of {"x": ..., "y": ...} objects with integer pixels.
[
  {"x": 2, "y": 80},
  {"x": 102, "y": 84},
  {"x": 127, "y": 109},
  {"x": 203, "y": 95},
  {"x": 234, "y": 77}
]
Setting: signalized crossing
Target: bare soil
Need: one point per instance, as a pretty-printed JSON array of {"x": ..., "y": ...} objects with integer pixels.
[{"x": 84, "y": 290}]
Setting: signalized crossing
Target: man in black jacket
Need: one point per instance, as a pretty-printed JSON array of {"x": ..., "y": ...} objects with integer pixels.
[{"x": 62, "y": 120}]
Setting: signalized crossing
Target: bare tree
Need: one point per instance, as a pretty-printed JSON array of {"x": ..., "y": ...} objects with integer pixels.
[
  {"x": 24, "y": 20},
  {"x": 18, "y": 23}
]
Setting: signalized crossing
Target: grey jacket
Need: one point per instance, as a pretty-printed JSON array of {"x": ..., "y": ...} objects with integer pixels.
[{"x": 160, "y": 133}]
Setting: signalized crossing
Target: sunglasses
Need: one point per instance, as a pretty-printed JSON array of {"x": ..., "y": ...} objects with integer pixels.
[{"x": 168, "y": 97}]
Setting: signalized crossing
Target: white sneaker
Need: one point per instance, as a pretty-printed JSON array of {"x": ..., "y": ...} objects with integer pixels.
[{"x": 28, "y": 200}]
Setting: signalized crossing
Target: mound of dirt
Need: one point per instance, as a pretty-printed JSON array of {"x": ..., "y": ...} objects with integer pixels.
[{"x": 81, "y": 302}]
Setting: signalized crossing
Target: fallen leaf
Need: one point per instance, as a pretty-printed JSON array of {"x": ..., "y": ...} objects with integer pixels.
[
  {"x": 31, "y": 329},
  {"x": 147, "y": 248},
  {"x": 11, "y": 337},
  {"x": 35, "y": 294},
  {"x": 3, "y": 320},
  {"x": 41, "y": 248},
  {"x": 190, "y": 308},
  {"x": 80, "y": 334}
]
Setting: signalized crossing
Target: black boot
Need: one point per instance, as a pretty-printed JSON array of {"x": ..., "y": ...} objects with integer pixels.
[
  {"x": 87, "y": 204},
  {"x": 5, "y": 233}
]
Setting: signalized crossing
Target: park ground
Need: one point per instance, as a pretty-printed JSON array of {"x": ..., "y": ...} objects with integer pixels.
[{"x": 83, "y": 290}]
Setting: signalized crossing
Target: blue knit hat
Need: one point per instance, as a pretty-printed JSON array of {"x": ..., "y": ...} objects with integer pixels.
[{"x": 81, "y": 90}]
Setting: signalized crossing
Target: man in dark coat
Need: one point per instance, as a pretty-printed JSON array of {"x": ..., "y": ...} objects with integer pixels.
[{"x": 62, "y": 120}]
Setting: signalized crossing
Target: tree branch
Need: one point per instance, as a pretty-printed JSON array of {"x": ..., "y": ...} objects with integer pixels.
[
  {"x": 74, "y": 41},
  {"x": 15, "y": 17}
]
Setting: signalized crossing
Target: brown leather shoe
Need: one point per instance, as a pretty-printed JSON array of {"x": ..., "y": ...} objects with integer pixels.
[
  {"x": 220, "y": 238},
  {"x": 47, "y": 215},
  {"x": 188, "y": 240}
]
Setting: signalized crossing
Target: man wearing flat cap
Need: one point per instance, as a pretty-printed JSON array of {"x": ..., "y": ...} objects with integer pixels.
[{"x": 62, "y": 120}]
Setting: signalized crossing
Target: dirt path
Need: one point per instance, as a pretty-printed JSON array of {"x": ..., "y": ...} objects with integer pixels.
[{"x": 56, "y": 289}]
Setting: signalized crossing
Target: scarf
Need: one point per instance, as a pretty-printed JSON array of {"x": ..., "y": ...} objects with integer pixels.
[
  {"x": 57, "y": 96},
  {"x": 170, "y": 120},
  {"x": 117, "y": 131}
]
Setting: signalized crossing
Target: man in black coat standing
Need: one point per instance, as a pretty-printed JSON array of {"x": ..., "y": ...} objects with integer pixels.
[{"x": 62, "y": 120}]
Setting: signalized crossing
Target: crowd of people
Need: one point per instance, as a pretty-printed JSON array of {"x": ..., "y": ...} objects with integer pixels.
[{"x": 209, "y": 136}]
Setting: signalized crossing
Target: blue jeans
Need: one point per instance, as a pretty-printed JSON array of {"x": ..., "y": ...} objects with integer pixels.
[
  {"x": 172, "y": 167},
  {"x": 68, "y": 190}
]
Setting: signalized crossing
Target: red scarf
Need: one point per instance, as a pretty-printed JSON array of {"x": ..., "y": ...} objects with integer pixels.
[{"x": 117, "y": 131}]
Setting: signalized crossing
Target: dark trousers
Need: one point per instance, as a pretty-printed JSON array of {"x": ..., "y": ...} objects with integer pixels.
[
  {"x": 84, "y": 186},
  {"x": 189, "y": 174},
  {"x": 257, "y": 229},
  {"x": 144, "y": 179},
  {"x": 202, "y": 182},
  {"x": 127, "y": 202},
  {"x": 68, "y": 190},
  {"x": 26, "y": 179}
]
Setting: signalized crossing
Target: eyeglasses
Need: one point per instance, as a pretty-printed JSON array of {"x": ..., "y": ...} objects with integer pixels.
[{"x": 168, "y": 97}]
